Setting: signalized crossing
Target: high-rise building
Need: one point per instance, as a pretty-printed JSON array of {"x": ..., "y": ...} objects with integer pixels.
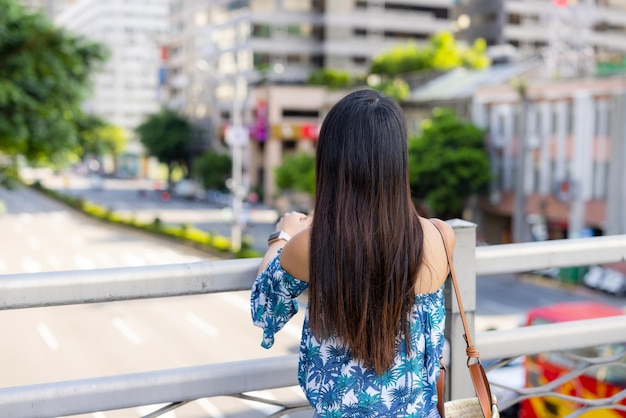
[
  {"x": 571, "y": 35},
  {"x": 129, "y": 86},
  {"x": 50, "y": 7}
]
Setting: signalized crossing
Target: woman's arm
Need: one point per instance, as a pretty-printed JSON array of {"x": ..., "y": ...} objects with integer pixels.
[{"x": 291, "y": 223}]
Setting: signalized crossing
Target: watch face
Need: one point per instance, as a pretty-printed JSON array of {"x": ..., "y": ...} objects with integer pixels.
[{"x": 273, "y": 235}]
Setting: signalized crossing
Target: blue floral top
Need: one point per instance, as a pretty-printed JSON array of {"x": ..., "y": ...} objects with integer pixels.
[{"x": 337, "y": 385}]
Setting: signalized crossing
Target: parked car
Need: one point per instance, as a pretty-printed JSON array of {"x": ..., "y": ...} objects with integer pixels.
[
  {"x": 606, "y": 279},
  {"x": 188, "y": 189}
]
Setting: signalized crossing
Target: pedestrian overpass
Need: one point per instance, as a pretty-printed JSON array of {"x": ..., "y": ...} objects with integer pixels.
[{"x": 176, "y": 387}]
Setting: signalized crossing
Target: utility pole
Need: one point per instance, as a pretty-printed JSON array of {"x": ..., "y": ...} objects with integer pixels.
[
  {"x": 520, "y": 224},
  {"x": 237, "y": 138}
]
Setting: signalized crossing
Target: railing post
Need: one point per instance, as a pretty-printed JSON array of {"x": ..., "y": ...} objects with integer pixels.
[{"x": 459, "y": 384}]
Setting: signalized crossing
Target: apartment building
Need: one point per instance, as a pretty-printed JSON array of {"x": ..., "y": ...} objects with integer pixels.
[
  {"x": 131, "y": 84},
  {"x": 572, "y": 35}
]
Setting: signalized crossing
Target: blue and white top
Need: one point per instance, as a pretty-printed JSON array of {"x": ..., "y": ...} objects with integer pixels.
[{"x": 337, "y": 385}]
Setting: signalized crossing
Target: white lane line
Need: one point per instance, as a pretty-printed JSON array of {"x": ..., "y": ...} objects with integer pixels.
[
  {"x": 30, "y": 265},
  {"x": 298, "y": 391},
  {"x": 83, "y": 262},
  {"x": 18, "y": 228},
  {"x": 148, "y": 409},
  {"x": 34, "y": 243},
  {"x": 200, "y": 323},
  {"x": 123, "y": 327},
  {"x": 47, "y": 336},
  {"x": 133, "y": 260},
  {"x": 25, "y": 218},
  {"x": 3, "y": 266},
  {"x": 210, "y": 408},
  {"x": 54, "y": 262},
  {"x": 243, "y": 303},
  {"x": 98, "y": 415},
  {"x": 261, "y": 406},
  {"x": 105, "y": 260}
]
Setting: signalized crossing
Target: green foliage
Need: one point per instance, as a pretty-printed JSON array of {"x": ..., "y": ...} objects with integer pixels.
[
  {"x": 184, "y": 233},
  {"x": 213, "y": 168},
  {"x": 44, "y": 76},
  {"x": 166, "y": 136},
  {"x": 396, "y": 88},
  {"x": 96, "y": 137},
  {"x": 448, "y": 163},
  {"x": 297, "y": 173},
  {"x": 331, "y": 78},
  {"x": 400, "y": 59},
  {"x": 440, "y": 53}
]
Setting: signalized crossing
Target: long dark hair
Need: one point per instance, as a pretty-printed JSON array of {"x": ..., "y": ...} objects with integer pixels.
[{"x": 366, "y": 238}]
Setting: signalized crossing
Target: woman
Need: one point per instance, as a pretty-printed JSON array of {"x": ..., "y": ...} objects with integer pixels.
[{"x": 373, "y": 329}]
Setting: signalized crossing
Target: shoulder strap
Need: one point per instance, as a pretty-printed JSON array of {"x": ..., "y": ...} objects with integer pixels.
[
  {"x": 468, "y": 338},
  {"x": 477, "y": 373}
]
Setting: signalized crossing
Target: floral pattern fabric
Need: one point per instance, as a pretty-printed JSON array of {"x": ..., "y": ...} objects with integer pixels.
[{"x": 337, "y": 385}]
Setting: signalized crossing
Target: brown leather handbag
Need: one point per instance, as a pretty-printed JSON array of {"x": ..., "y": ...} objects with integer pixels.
[{"x": 484, "y": 405}]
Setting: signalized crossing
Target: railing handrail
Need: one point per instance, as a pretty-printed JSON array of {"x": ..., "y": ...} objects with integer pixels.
[
  {"x": 185, "y": 384},
  {"x": 126, "y": 283}
]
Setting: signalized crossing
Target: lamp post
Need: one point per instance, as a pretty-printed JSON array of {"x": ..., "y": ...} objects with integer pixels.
[{"x": 237, "y": 137}]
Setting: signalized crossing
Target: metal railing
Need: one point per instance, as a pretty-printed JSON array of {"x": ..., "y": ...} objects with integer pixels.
[{"x": 182, "y": 385}]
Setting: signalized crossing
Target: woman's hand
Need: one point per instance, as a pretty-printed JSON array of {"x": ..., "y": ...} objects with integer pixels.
[{"x": 293, "y": 222}]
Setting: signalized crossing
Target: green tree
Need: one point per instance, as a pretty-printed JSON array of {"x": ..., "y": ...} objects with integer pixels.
[
  {"x": 44, "y": 76},
  {"x": 331, "y": 78},
  {"x": 214, "y": 169},
  {"x": 297, "y": 173},
  {"x": 441, "y": 52},
  {"x": 448, "y": 163},
  {"x": 96, "y": 137},
  {"x": 166, "y": 135}
]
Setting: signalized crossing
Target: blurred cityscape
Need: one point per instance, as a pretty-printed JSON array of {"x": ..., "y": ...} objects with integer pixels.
[{"x": 551, "y": 100}]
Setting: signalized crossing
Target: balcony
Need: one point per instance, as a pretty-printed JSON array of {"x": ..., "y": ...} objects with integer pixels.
[{"x": 176, "y": 387}]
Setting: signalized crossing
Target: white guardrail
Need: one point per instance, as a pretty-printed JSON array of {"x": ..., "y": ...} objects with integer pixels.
[{"x": 182, "y": 385}]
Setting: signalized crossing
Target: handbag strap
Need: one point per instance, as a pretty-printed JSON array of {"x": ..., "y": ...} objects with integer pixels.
[{"x": 477, "y": 373}]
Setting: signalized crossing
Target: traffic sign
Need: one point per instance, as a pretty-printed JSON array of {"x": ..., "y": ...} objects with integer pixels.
[{"x": 237, "y": 136}]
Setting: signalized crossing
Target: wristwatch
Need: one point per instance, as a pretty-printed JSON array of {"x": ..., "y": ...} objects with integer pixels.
[{"x": 277, "y": 236}]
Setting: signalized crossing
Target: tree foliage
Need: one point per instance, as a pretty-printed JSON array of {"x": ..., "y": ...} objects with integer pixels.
[
  {"x": 448, "y": 163},
  {"x": 166, "y": 135},
  {"x": 331, "y": 78},
  {"x": 442, "y": 53},
  {"x": 297, "y": 173},
  {"x": 44, "y": 76},
  {"x": 97, "y": 137},
  {"x": 214, "y": 169}
]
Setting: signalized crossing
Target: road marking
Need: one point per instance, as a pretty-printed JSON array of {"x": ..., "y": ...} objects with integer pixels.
[
  {"x": 133, "y": 260},
  {"x": 47, "y": 336},
  {"x": 261, "y": 406},
  {"x": 30, "y": 265},
  {"x": 203, "y": 325},
  {"x": 25, "y": 218},
  {"x": 210, "y": 408},
  {"x": 98, "y": 415},
  {"x": 83, "y": 262},
  {"x": 105, "y": 260},
  {"x": 54, "y": 262},
  {"x": 3, "y": 266},
  {"x": 243, "y": 303},
  {"x": 18, "y": 228},
  {"x": 148, "y": 409},
  {"x": 34, "y": 243},
  {"x": 123, "y": 327}
]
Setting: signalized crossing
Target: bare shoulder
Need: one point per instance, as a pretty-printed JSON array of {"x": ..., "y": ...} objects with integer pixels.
[
  {"x": 295, "y": 255},
  {"x": 445, "y": 230},
  {"x": 434, "y": 269}
]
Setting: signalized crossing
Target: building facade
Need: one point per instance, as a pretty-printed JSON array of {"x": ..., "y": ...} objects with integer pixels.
[
  {"x": 130, "y": 86},
  {"x": 562, "y": 149}
]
